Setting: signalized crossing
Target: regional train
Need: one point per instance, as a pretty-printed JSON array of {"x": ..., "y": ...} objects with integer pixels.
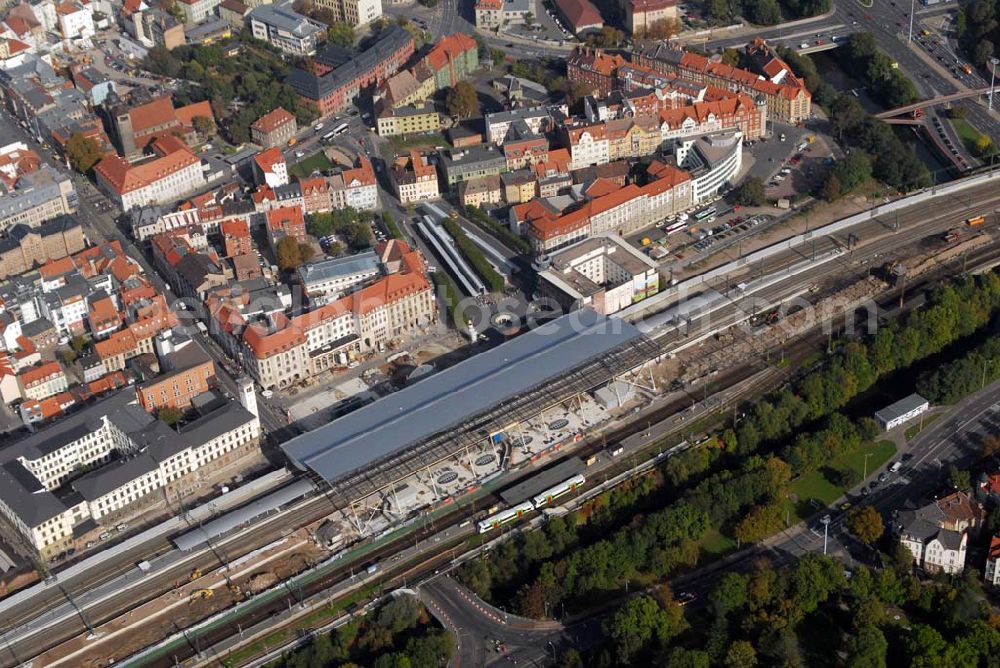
[{"x": 537, "y": 502}]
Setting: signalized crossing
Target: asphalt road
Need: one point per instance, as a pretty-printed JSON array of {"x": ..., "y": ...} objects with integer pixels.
[{"x": 488, "y": 636}]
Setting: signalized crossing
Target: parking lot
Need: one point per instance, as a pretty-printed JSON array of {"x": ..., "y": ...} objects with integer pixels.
[
  {"x": 802, "y": 172},
  {"x": 545, "y": 24}
]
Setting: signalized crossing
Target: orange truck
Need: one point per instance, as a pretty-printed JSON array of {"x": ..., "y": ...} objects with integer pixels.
[{"x": 978, "y": 220}]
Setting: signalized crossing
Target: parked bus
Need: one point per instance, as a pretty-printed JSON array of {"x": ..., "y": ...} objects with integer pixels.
[
  {"x": 340, "y": 129},
  {"x": 328, "y": 137},
  {"x": 674, "y": 226},
  {"x": 705, "y": 215}
]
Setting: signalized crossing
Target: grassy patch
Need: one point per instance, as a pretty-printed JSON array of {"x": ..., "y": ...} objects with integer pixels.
[
  {"x": 914, "y": 429},
  {"x": 715, "y": 544},
  {"x": 880, "y": 451},
  {"x": 400, "y": 144},
  {"x": 316, "y": 161},
  {"x": 968, "y": 134},
  {"x": 815, "y": 486}
]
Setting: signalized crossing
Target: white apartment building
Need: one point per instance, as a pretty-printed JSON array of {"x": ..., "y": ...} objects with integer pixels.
[
  {"x": 588, "y": 145},
  {"x": 992, "y": 561},
  {"x": 162, "y": 180},
  {"x": 536, "y": 118},
  {"x": 357, "y": 193},
  {"x": 414, "y": 179},
  {"x": 196, "y": 11},
  {"x": 42, "y": 381},
  {"x": 937, "y": 534},
  {"x": 353, "y": 12},
  {"x": 153, "y": 456},
  {"x": 713, "y": 161},
  {"x": 604, "y": 273},
  {"x": 286, "y": 29},
  {"x": 75, "y": 20}
]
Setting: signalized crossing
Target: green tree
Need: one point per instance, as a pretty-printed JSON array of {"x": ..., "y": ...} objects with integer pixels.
[
  {"x": 289, "y": 255},
  {"x": 204, "y": 125},
  {"x": 751, "y": 192},
  {"x": 729, "y": 594},
  {"x": 67, "y": 356},
  {"x": 732, "y": 57},
  {"x": 169, "y": 415},
  {"x": 341, "y": 34},
  {"x": 741, "y": 654},
  {"x": 570, "y": 658},
  {"x": 959, "y": 478},
  {"x": 759, "y": 523},
  {"x": 83, "y": 152},
  {"x": 831, "y": 188},
  {"x": 637, "y": 623},
  {"x": 866, "y": 524},
  {"x": 853, "y": 170},
  {"x": 984, "y": 146},
  {"x": 462, "y": 100}
]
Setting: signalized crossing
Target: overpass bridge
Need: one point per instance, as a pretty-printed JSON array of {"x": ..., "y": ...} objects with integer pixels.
[{"x": 934, "y": 101}]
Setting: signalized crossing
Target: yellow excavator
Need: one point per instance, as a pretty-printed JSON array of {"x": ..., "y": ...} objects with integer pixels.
[
  {"x": 202, "y": 593},
  {"x": 195, "y": 574}
]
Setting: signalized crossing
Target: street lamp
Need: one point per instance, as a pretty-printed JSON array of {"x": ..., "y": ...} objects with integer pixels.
[
  {"x": 866, "y": 465},
  {"x": 993, "y": 76},
  {"x": 825, "y": 521}
]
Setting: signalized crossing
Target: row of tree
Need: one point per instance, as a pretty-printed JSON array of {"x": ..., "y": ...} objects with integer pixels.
[
  {"x": 949, "y": 382},
  {"x": 391, "y": 226},
  {"x": 765, "y": 12},
  {"x": 400, "y": 634},
  {"x": 475, "y": 256},
  {"x": 446, "y": 288}
]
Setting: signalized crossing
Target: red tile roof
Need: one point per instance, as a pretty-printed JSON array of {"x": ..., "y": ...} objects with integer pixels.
[
  {"x": 38, "y": 374},
  {"x": 125, "y": 178},
  {"x": 580, "y": 13},
  {"x": 56, "y": 268},
  {"x": 449, "y": 48},
  {"x": 362, "y": 175},
  {"x": 108, "y": 382},
  {"x": 272, "y": 120},
  {"x": 287, "y": 219},
  {"x": 119, "y": 343},
  {"x": 152, "y": 114},
  {"x": 237, "y": 227},
  {"x": 267, "y": 159}
]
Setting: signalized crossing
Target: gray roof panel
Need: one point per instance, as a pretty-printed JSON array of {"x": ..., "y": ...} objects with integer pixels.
[{"x": 397, "y": 422}]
